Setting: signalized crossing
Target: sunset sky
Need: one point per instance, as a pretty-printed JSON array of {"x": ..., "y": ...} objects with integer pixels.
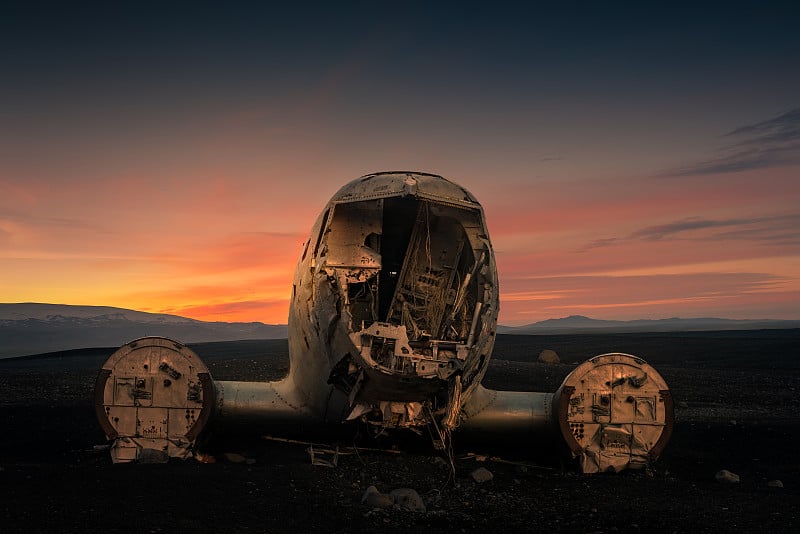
[{"x": 633, "y": 160}]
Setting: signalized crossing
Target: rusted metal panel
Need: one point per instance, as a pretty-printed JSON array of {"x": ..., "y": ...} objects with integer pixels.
[
  {"x": 613, "y": 413},
  {"x": 153, "y": 394}
]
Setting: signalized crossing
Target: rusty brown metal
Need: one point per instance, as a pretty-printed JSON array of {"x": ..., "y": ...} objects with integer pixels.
[
  {"x": 614, "y": 412},
  {"x": 208, "y": 406},
  {"x": 669, "y": 407},
  {"x": 99, "y": 406}
]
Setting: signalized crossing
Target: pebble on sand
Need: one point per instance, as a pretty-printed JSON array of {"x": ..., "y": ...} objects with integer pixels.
[
  {"x": 726, "y": 477},
  {"x": 549, "y": 356},
  {"x": 481, "y": 475},
  {"x": 407, "y": 499},
  {"x": 374, "y": 498},
  {"x": 234, "y": 458}
]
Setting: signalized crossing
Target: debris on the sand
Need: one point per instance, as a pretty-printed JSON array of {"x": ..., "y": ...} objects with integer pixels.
[
  {"x": 343, "y": 451},
  {"x": 775, "y": 484},
  {"x": 683, "y": 405},
  {"x": 235, "y": 458},
  {"x": 204, "y": 458},
  {"x": 319, "y": 456},
  {"x": 375, "y": 499},
  {"x": 407, "y": 499},
  {"x": 481, "y": 475},
  {"x": 549, "y": 356},
  {"x": 726, "y": 477},
  {"x": 439, "y": 461}
]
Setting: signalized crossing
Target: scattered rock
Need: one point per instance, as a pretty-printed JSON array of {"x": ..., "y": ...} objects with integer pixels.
[
  {"x": 204, "y": 458},
  {"x": 408, "y": 499},
  {"x": 235, "y": 458},
  {"x": 775, "y": 484},
  {"x": 726, "y": 477},
  {"x": 683, "y": 405},
  {"x": 375, "y": 499},
  {"x": 733, "y": 422},
  {"x": 481, "y": 475},
  {"x": 549, "y": 356},
  {"x": 441, "y": 462}
]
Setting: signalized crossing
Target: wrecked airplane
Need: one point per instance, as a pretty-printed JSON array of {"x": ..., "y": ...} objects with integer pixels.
[{"x": 392, "y": 321}]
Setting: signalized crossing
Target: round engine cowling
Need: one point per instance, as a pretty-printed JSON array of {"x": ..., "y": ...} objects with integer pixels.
[
  {"x": 153, "y": 397},
  {"x": 615, "y": 412}
]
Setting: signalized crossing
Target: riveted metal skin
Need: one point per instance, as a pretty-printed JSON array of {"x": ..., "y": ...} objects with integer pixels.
[
  {"x": 614, "y": 412},
  {"x": 153, "y": 397}
]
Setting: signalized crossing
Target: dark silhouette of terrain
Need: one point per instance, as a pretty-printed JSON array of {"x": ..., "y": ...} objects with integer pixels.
[
  {"x": 32, "y": 328},
  {"x": 737, "y": 408}
]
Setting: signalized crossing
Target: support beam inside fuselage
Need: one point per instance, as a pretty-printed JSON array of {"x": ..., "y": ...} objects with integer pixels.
[{"x": 399, "y": 216}]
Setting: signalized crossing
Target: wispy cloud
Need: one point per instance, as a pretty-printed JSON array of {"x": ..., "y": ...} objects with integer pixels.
[
  {"x": 632, "y": 296},
  {"x": 600, "y": 243},
  {"x": 777, "y": 230},
  {"x": 237, "y": 310},
  {"x": 661, "y": 231},
  {"x": 771, "y": 143}
]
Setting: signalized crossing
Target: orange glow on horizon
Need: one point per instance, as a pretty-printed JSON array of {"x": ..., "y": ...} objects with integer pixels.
[{"x": 209, "y": 250}]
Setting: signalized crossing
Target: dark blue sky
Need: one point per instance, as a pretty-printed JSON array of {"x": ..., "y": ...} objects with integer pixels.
[{"x": 635, "y": 159}]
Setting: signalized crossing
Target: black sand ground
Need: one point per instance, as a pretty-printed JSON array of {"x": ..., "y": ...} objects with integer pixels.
[{"x": 742, "y": 413}]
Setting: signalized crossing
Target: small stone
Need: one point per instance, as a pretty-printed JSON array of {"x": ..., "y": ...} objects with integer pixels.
[
  {"x": 683, "y": 404},
  {"x": 733, "y": 422},
  {"x": 407, "y": 499},
  {"x": 481, "y": 475},
  {"x": 726, "y": 477},
  {"x": 375, "y": 499},
  {"x": 250, "y": 461},
  {"x": 441, "y": 462},
  {"x": 204, "y": 458},
  {"x": 549, "y": 356},
  {"x": 235, "y": 458},
  {"x": 775, "y": 484}
]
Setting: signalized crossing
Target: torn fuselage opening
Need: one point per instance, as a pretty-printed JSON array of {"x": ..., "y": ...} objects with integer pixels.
[{"x": 416, "y": 281}]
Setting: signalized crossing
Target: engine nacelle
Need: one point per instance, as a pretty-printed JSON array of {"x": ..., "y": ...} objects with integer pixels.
[
  {"x": 153, "y": 397},
  {"x": 615, "y": 412}
]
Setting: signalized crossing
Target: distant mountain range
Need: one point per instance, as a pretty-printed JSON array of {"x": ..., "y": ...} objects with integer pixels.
[
  {"x": 32, "y": 328},
  {"x": 578, "y": 324}
]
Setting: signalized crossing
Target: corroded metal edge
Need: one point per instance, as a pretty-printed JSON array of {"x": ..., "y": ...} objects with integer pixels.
[
  {"x": 99, "y": 405},
  {"x": 208, "y": 405},
  {"x": 562, "y": 405},
  {"x": 669, "y": 422}
]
